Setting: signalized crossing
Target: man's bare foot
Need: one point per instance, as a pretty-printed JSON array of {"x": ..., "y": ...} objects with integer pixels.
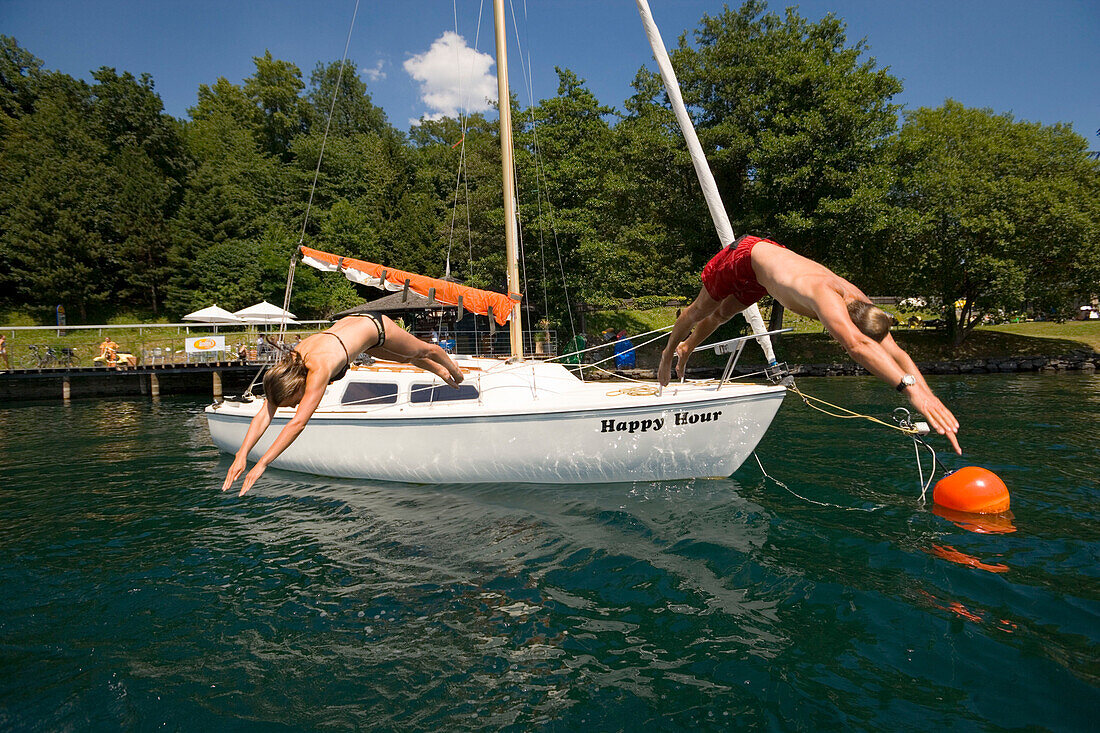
[
  {"x": 664, "y": 371},
  {"x": 682, "y": 355}
]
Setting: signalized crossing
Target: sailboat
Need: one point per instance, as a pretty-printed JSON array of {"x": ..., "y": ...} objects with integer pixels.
[{"x": 514, "y": 419}]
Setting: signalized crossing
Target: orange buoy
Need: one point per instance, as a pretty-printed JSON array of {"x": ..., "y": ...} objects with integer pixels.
[
  {"x": 973, "y": 490},
  {"x": 979, "y": 523}
]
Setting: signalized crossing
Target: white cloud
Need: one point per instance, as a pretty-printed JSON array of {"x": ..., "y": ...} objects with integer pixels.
[
  {"x": 453, "y": 77},
  {"x": 375, "y": 73}
]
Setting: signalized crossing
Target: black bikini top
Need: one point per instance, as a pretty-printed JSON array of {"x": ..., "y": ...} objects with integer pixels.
[{"x": 347, "y": 358}]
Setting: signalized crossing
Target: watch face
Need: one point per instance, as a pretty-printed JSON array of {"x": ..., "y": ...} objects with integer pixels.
[{"x": 909, "y": 379}]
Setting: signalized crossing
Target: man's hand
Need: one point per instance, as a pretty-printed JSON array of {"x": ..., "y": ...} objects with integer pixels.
[
  {"x": 235, "y": 471},
  {"x": 252, "y": 477},
  {"x": 939, "y": 417}
]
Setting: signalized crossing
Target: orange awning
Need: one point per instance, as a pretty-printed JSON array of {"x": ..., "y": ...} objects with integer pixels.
[{"x": 446, "y": 292}]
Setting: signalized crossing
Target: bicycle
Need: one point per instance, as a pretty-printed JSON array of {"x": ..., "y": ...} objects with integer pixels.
[
  {"x": 66, "y": 357},
  {"x": 38, "y": 360}
]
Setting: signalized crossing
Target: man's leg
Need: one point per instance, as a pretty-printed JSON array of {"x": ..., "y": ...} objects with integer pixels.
[
  {"x": 703, "y": 307},
  {"x": 727, "y": 309}
]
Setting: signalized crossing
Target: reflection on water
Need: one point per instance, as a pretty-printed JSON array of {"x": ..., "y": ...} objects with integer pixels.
[{"x": 139, "y": 595}]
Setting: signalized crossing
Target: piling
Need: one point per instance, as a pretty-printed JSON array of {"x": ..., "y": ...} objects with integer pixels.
[
  {"x": 66, "y": 390},
  {"x": 217, "y": 385},
  {"x": 154, "y": 385}
]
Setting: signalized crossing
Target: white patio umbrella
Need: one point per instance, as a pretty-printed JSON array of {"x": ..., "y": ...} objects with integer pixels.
[
  {"x": 265, "y": 312},
  {"x": 213, "y": 314}
]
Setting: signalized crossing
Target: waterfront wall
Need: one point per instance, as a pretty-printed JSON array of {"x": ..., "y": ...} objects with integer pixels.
[
  {"x": 215, "y": 379},
  {"x": 58, "y": 384},
  {"x": 1078, "y": 361}
]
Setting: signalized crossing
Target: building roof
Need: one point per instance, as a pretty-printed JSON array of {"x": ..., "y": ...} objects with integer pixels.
[{"x": 395, "y": 303}]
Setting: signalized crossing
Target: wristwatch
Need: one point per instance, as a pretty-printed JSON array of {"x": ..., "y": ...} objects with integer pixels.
[{"x": 906, "y": 381}]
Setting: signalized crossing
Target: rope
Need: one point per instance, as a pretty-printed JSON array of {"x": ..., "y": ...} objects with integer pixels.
[
  {"x": 642, "y": 391},
  {"x": 876, "y": 507},
  {"x": 848, "y": 414}
]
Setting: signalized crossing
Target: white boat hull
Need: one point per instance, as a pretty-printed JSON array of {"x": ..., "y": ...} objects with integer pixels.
[{"x": 565, "y": 433}]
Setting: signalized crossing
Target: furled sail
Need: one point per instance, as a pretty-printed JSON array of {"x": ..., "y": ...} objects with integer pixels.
[
  {"x": 699, "y": 160},
  {"x": 446, "y": 292}
]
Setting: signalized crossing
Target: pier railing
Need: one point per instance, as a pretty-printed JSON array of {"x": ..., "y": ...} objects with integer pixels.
[{"x": 50, "y": 347}]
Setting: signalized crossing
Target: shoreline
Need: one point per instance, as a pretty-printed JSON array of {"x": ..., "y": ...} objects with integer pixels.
[
  {"x": 1084, "y": 361},
  {"x": 208, "y": 379}
]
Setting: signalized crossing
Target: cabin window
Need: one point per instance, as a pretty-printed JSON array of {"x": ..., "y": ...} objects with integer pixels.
[
  {"x": 442, "y": 393},
  {"x": 367, "y": 394}
]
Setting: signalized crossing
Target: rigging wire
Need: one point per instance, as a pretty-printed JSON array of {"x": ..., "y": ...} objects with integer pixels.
[
  {"x": 527, "y": 69},
  {"x": 462, "y": 176},
  {"x": 316, "y": 175}
]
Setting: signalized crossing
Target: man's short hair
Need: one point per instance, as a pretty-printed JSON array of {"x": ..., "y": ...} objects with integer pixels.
[{"x": 870, "y": 320}]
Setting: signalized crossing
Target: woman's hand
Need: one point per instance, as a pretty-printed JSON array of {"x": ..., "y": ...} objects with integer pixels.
[{"x": 235, "y": 471}]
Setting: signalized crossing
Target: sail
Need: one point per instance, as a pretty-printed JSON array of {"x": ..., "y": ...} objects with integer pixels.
[
  {"x": 446, "y": 292},
  {"x": 699, "y": 160}
]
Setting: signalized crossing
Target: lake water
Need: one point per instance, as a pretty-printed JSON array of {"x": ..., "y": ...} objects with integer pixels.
[{"x": 136, "y": 595}]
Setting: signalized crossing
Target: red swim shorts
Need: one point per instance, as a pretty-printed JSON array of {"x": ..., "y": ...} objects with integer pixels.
[{"x": 730, "y": 272}]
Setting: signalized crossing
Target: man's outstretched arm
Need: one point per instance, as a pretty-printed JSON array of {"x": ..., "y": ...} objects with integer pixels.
[
  {"x": 889, "y": 363},
  {"x": 921, "y": 396}
]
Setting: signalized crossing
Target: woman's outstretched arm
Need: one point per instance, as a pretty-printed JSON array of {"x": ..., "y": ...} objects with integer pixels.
[
  {"x": 316, "y": 383},
  {"x": 255, "y": 429}
]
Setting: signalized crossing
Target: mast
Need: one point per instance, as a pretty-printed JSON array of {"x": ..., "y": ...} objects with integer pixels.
[
  {"x": 515, "y": 327},
  {"x": 699, "y": 160}
]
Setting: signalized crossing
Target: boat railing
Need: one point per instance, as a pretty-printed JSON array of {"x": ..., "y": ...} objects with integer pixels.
[{"x": 536, "y": 344}]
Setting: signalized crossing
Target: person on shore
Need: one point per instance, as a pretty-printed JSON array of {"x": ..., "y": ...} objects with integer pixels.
[
  {"x": 4, "y": 350},
  {"x": 743, "y": 272},
  {"x": 108, "y": 352},
  {"x": 301, "y": 375}
]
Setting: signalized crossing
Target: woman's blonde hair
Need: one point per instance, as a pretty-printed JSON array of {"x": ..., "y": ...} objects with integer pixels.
[
  {"x": 285, "y": 380},
  {"x": 870, "y": 320}
]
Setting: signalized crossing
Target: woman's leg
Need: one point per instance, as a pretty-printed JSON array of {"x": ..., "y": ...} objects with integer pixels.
[{"x": 402, "y": 346}]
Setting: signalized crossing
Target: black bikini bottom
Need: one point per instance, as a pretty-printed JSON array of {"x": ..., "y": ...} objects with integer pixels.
[{"x": 377, "y": 318}]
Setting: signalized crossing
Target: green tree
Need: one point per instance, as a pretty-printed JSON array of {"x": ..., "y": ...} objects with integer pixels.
[
  {"x": 1007, "y": 213},
  {"x": 797, "y": 124},
  {"x": 55, "y": 195},
  {"x": 275, "y": 87},
  {"x": 144, "y": 153},
  {"x": 575, "y": 157},
  {"x": 233, "y": 188},
  {"x": 20, "y": 72},
  {"x": 458, "y": 167},
  {"x": 354, "y": 112}
]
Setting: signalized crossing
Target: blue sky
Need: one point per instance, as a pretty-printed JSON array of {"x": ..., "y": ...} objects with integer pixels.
[{"x": 1038, "y": 59}]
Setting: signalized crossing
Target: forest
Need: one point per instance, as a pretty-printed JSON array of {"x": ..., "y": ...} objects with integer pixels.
[{"x": 109, "y": 205}]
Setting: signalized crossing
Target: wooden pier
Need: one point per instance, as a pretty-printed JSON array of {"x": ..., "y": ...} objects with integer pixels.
[{"x": 210, "y": 378}]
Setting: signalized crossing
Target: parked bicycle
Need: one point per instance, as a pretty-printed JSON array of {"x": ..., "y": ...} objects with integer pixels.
[
  {"x": 49, "y": 357},
  {"x": 66, "y": 356},
  {"x": 39, "y": 359}
]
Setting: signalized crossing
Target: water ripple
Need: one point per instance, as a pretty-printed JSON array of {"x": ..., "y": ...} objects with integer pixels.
[{"x": 140, "y": 595}]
